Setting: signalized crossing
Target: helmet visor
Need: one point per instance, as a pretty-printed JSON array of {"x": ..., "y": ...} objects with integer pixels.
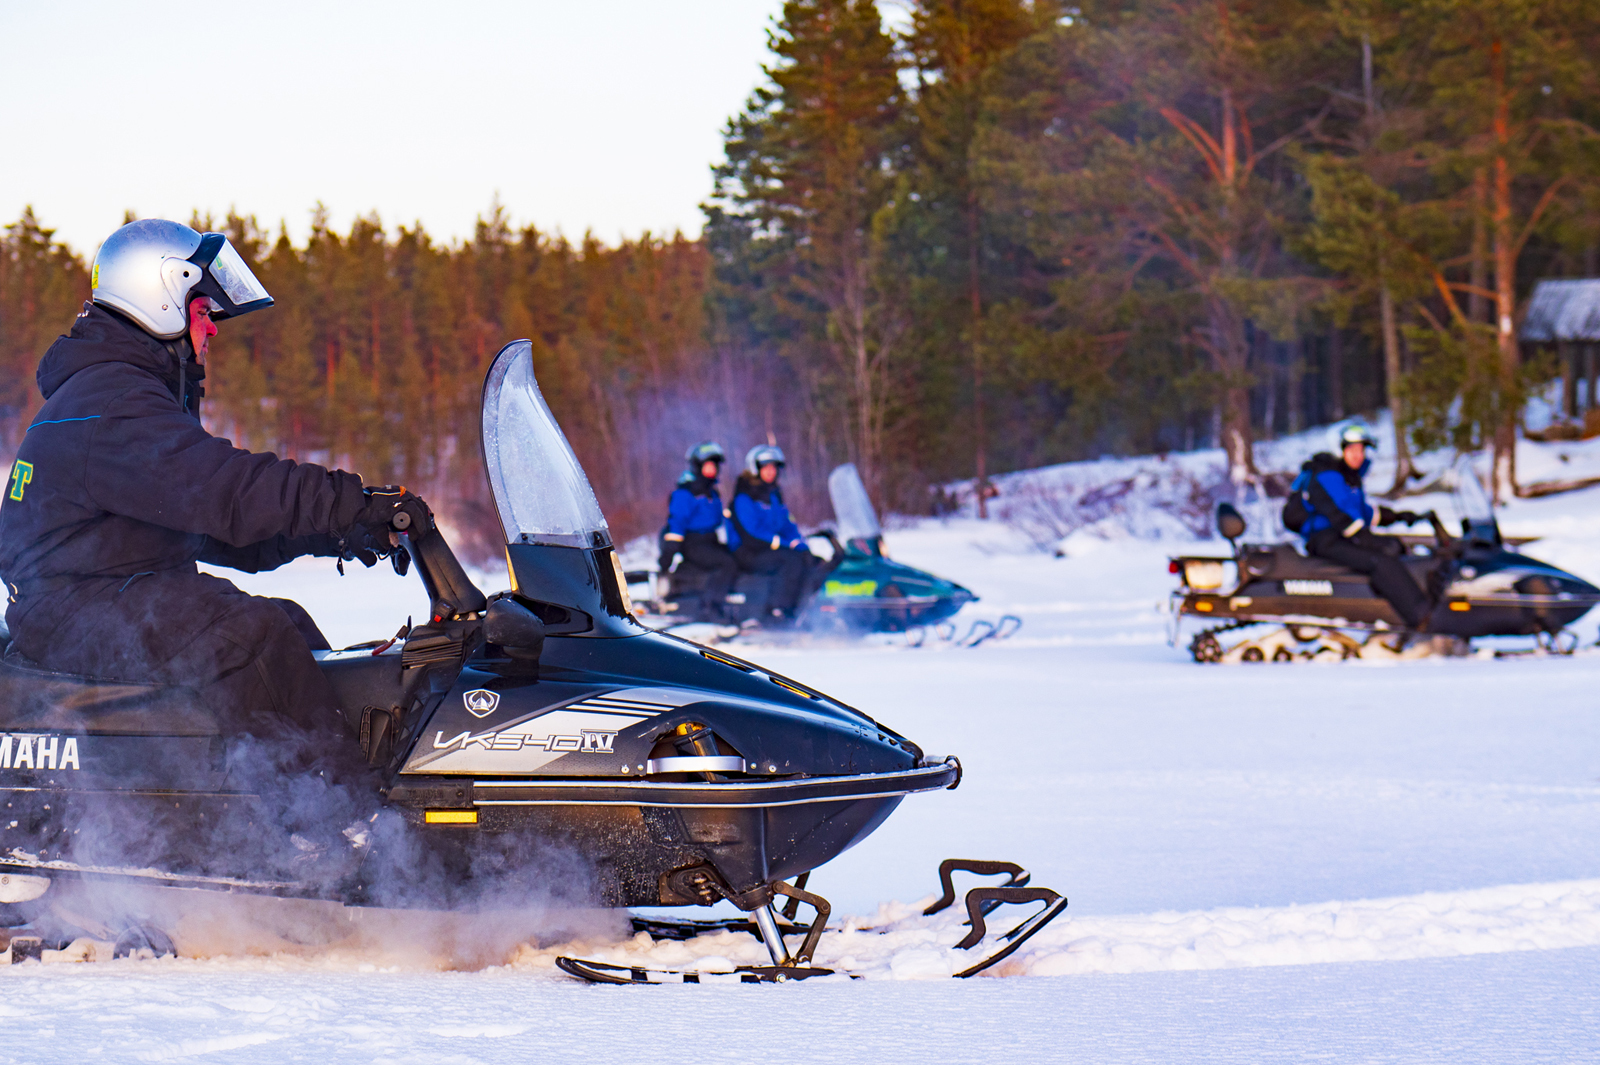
[
  {"x": 238, "y": 284},
  {"x": 228, "y": 281}
]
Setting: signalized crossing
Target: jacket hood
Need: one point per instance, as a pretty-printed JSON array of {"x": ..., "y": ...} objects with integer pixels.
[
  {"x": 696, "y": 484},
  {"x": 1324, "y": 461},
  {"x": 100, "y": 336},
  {"x": 757, "y": 489}
]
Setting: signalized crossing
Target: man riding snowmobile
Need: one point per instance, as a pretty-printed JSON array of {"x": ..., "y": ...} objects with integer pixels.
[
  {"x": 1329, "y": 508},
  {"x": 694, "y": 514},
  {"x": 118, "y": 491},
  {"x": 765, "y": 539}
]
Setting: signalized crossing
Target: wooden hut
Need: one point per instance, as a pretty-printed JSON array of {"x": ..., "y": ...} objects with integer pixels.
[{"x": 1565, "y": 315}]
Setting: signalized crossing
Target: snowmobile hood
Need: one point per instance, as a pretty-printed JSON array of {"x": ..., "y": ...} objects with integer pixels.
[{"x": 100, "y": 336}]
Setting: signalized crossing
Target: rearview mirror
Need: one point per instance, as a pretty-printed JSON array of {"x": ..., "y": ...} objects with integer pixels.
[
  {"x": 515, "y": 628},
  {"x": 1230, "y": 523}
]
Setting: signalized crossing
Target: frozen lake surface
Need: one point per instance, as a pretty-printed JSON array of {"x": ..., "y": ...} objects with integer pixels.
[{"x": 1342, "y": 863}]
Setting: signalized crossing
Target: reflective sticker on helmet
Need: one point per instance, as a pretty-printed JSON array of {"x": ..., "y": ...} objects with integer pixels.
[{"x": 94, "y": 277}]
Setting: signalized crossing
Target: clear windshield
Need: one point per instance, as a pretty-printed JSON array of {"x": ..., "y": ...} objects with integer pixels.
[
  {"x": 1471, "y": 497},
  {"x": 237, "y": 281},
  {"x": 543, "y": 495},
  {"x": 851, "y": 507}
]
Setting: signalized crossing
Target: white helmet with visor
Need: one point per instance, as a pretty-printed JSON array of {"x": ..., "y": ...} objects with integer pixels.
[
  {"x": 761, "y": 455},
  {"x": 1348, "y": 433},
  {"x": 151, "y": 269}
]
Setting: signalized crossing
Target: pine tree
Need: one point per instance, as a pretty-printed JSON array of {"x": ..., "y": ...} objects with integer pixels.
[{"x": 811, "y": 163}]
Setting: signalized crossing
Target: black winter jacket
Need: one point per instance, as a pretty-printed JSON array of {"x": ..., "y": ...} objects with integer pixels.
[{"x": 116, "y": 478}]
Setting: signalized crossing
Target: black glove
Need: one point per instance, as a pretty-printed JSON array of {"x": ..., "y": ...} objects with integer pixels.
[
  {"x": 359, "y": 545},
  {"x": 390, "y": 509},
  {"x": 669, "y": 551}
]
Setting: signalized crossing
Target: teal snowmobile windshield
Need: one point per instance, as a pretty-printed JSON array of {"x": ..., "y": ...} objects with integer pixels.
[
  {"x": 540, "y": 490},
  {"x": 852, "y": 508}
]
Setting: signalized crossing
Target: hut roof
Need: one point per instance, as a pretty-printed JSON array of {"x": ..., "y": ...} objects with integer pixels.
[{"x": 1563, "y": 310}]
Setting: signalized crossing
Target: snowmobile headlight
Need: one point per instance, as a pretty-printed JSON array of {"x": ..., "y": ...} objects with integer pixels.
[{"x": 1203, "y": 574}]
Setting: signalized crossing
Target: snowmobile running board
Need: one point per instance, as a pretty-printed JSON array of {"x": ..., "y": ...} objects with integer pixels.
[{"x": 978, "y": 902}]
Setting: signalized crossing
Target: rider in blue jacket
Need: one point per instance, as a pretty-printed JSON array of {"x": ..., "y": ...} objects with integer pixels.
[
  {"x": 694, "y": 514},
  {"x": 1340, "y": 523},
  {"x": 765, "y": 538}
]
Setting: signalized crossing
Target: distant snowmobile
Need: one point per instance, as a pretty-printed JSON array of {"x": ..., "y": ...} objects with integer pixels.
[
  {"x": 536, "y": 740},
  {"x": 863, "y": 590},
  {"x": 1479, "y": 584}
]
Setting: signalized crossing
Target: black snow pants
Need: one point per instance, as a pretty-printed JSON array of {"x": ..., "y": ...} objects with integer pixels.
[
  {"x": 789, "y": 566},
  {"x": 705, "y": 553},
  {"x": 247, "y": 657},
  {"x": 1379, "y": 558}
]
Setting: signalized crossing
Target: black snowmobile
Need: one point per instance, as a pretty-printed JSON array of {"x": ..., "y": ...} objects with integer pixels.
[
  {"x": 1479, "y": 584},
  {"x": 860, "y": 588},
  {"x": 534, "y": 743}
]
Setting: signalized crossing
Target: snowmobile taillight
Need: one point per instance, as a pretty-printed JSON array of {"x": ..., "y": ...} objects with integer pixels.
[
  {"x": 451, "y": 817},
  {"x": 1172, "y": 565}
]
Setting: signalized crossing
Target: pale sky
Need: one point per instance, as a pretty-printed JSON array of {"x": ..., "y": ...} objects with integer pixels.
[{"x": 602, "y": 115}]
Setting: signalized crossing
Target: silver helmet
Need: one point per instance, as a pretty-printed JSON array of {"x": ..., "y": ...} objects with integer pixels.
[
  {"x": 762, "y": 454},
  {"x": 149, "y": 270}
]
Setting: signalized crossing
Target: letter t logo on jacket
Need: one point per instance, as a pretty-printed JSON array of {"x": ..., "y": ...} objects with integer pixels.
[{"x": 21, "y": 477}]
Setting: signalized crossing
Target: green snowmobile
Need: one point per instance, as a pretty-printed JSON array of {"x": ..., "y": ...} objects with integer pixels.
[{"x": 858, "y": 588}]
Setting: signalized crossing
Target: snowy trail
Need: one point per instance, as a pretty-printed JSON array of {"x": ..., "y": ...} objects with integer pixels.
[{"x": 1503, "y": 1008}]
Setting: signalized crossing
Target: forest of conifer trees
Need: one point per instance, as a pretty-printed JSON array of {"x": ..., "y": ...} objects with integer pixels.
[{"x": 993, "y": 235}]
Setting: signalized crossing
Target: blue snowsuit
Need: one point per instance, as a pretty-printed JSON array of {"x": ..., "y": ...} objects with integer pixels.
[
  {"x": 1336, "y": 502},
  {"x": 688, "y": 512},
  {"x": 694, "y": 513},
  {"x": 1334, "y": 499},
  {"x": 766, "y": 540},
  {"x": 766, "y": 520}
]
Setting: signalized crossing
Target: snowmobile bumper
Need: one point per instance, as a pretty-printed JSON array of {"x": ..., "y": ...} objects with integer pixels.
[{"x": 932, "y": 775}]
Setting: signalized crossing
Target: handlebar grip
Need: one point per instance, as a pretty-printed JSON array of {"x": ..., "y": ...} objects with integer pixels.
[{"x": 401, "y": 520}]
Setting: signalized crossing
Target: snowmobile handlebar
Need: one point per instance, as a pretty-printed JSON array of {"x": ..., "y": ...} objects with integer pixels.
[
  {"x": 451, "y": 593},
  {"x": 1440, "y": 533}
]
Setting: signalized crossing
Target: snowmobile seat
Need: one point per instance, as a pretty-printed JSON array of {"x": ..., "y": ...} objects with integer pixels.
[
  {"x": 33, "y": 698},
  {"x": 1282, "y": 562}
]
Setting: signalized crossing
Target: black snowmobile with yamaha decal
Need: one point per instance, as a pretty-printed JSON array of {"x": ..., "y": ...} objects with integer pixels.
[
  {"x": 1479, "y": 583},
  {"x": 534, "y": 743}
]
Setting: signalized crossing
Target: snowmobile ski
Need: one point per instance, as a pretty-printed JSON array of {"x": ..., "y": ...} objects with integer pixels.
[
  {"x": 598, "y": 972},
  {"x": 978, "y": 902}
]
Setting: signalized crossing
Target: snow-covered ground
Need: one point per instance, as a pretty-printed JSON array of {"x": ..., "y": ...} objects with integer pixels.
[{"x": 1344, "y": 862}]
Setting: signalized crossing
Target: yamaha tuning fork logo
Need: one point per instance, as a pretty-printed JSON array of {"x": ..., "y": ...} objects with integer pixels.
[{"x": 481, "y": 702}]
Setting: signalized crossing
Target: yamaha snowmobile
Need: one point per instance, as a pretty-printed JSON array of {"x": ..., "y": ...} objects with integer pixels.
[
  {"x": 1479, "y": 583},
  {"x": 538, "y": 742},
  {"x": 861, "y": 589}
]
